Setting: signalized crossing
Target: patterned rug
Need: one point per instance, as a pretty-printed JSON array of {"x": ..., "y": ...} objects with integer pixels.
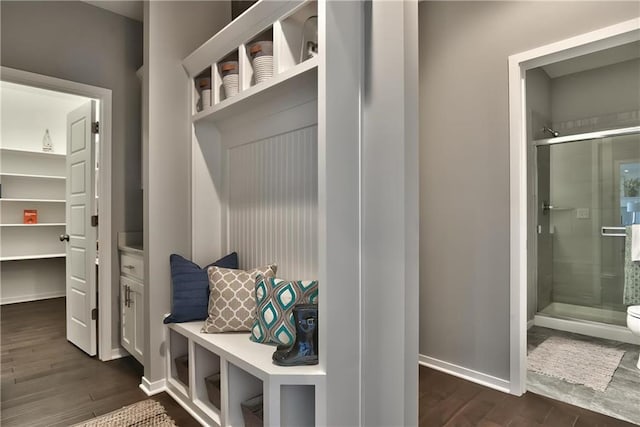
[
  {"x": 147, "y": 413},
  {"x": 575, "y": 362}
]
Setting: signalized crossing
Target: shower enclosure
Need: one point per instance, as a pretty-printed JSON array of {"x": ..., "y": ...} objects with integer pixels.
[{"x": 588, "y": 190}]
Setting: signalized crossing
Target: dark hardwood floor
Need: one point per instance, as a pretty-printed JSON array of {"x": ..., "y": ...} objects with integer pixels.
[
  {"x": 46, "y": 381},
  {"x": 451, "y": 401}
]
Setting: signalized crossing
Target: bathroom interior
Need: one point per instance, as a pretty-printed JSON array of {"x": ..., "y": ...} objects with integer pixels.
[{"x": 583, "y": 195}]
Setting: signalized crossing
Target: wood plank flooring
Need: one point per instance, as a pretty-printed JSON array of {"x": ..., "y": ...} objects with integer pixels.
[
  {"x": 451, "y": 401},
  {"x": 47, "y": 381}
]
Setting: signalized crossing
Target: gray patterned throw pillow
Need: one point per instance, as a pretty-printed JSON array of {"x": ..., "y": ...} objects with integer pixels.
[{"x": 232, "y": 305}]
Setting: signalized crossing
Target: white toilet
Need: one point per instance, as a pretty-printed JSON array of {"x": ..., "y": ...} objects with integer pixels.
[{"x": 633, "y": 321}]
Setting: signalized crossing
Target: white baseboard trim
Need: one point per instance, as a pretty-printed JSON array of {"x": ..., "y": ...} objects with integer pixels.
[
  {"x": 592, "y": 329},
  {"x": 180, "y": 400},
  {"x": 36, "y": 297},
  {"x": 465, "y": 373},
  {"x": 530, "y": 324},
  {"x": 155, "y": 387},
  {"x": 118, "y": 352}
]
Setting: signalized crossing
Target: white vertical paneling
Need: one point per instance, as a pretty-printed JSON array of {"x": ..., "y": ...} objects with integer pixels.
[{"x": 273, "y": 201}]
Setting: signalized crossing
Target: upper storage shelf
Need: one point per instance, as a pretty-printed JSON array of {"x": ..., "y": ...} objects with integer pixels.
[
  {"x": 16, "y": 162},
  {"x": 266, "y": 53}
]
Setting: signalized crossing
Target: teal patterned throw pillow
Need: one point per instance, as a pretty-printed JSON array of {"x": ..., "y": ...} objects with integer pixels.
[{"x": 275, "y": 299}]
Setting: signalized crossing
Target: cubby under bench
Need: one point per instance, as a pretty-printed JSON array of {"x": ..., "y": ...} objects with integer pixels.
[{"x": 290, "y": 394}]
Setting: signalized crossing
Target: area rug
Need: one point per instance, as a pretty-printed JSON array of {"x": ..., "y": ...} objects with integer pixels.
[
  {"x": 576, "y": 362},
  {"x": 147, "y": 413}
]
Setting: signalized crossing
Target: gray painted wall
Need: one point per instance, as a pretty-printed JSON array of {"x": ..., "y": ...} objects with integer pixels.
[
  {"x": 464, "y": 162},
  {"x": 85, "y": 44},
  {"x": 172, "y": 31},
  {"x": 597, "y": 94}
]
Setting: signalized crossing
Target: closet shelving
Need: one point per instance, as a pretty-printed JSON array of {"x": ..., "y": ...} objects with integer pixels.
[
  {"x": 32, "y": 180},
  {"x": 271, "y": 122}
]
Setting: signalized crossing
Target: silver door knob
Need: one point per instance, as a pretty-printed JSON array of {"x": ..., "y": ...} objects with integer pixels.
[{"x": 64, "y": 237}]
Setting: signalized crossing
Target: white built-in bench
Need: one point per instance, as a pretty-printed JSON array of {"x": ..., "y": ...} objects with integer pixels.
[{"x": 246, "y": 370}]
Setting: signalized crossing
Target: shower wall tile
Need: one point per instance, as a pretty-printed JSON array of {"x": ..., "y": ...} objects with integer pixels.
[
  {"x": 597, "y": 123},
  {"x": 575, "y": 283}
]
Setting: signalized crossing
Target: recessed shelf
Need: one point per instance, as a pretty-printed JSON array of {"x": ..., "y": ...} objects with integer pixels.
[
  {"x": 32, "y": 152},
  {"x": 22, "y": 175},
  {"x": 33, "y": 200},
  {"x": 28, "y": 257},
  {"x": 41, "y": 224},
  {"x": 278, "y": 89}
]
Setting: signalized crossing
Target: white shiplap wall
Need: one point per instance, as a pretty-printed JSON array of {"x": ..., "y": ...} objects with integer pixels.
[{"x": 273, "y": 203}]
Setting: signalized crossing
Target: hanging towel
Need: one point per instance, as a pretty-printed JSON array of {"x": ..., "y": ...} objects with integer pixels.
[
  {"x": 631, "y": 271},
  {"x": 635, "y": 242}
]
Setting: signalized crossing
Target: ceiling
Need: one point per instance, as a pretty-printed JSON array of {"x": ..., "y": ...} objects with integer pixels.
[
  {"x": 129, "y": 8},
  {"x": 594, "y": 60}
]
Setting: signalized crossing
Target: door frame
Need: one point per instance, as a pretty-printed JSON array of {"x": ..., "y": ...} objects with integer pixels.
[
  {"x": 103, "y": 96},
  {"x": 615, "y": 35}
]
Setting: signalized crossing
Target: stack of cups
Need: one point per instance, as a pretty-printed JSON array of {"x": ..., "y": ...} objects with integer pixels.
[
  {"x": 229, "y": 71},
  {"x": 262, "y": 60},
  {"x": 205, "y": 93}
]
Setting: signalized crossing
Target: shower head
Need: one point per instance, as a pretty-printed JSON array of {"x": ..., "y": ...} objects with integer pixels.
[{"x": 551, "y": 131}]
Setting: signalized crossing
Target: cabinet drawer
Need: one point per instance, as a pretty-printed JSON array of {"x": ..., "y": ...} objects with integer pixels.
[{"x": 132, "y": 265}]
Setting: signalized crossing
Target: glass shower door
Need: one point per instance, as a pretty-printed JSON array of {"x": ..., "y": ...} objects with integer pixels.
[{"x": 588, "y": 191}]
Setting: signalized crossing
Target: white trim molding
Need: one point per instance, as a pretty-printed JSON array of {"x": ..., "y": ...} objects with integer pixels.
[
  {"x": 118, "y": 353},
  {"x": 32, "y": 297},
  {"x": 155, "y": 387},
  {"x": 465, "y": 373},
  {"x": 608, "y": 37},
  {"x": 103, "y": 96}
]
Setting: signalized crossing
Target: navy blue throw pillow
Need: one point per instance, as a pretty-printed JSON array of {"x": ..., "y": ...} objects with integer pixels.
[{"x": 190, "y": 296}]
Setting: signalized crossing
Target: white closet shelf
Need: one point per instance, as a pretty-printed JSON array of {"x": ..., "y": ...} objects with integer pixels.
[
  {"x": 40, "y": 224},
  {"x": 23, "y": 175},
  {"x": 32, "y": 152},
  {"x": 33, "y": 200},
  {"x": 263, "y": 95},
  {"x": 28, "y": 257},
  {"x": 246, "y": 26}
]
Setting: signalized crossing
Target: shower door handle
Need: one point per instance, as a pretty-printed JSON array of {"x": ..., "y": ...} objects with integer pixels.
[
  {"x": 546, "y": 207},
  {"x": 613, "y": 232}
]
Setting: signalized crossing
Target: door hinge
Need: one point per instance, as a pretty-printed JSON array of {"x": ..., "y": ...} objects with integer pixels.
[
  {"x": 94, "y": 220},
  {"x": 94, "y": 314},
  {"x": 95, "y": 127}
]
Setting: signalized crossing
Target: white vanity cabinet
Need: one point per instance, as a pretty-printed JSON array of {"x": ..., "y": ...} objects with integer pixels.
[{"x": 131, "y": 300}]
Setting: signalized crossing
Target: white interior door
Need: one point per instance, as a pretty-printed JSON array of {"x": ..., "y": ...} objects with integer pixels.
[{"x": 81, "y": 235}]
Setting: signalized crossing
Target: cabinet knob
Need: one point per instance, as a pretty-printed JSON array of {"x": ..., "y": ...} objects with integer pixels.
[{"x": 64, "y": 237}]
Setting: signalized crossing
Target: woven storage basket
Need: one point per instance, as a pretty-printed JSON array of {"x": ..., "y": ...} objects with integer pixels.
[
  {"x": 182, "y": 369},
  {"x": 212, "y": 383},
  {"x": 252, "y": 412}
]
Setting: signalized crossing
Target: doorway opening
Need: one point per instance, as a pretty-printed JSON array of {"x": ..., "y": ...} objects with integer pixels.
[
  {"x": 567, "y": 171},
  {"x": 37, "y": 260}
]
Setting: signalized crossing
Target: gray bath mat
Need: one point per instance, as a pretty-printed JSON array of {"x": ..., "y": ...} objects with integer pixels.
[{"x": 576, "y": 362}]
